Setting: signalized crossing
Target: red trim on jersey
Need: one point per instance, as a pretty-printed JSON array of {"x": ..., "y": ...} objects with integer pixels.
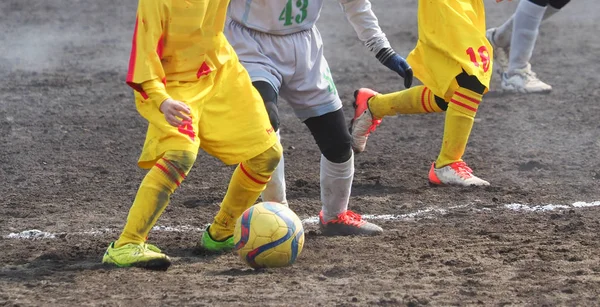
[
  {"x": 132, "y": 61},
  {"x": 160, "y": 47},
  {"x": 164, "y": 169},
  {"x": 458, "y": 103},
  {"x": 249, "y": 176},
  {"x": 473, "y": 100},
  {"x": 132, "y": 57}
]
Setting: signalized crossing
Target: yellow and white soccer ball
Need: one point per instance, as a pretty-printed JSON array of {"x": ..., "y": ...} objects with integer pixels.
[{"x": 268, "y": 235}]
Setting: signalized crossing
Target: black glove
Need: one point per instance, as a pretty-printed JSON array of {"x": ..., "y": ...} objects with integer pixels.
[{"x": 389, "y": 58}]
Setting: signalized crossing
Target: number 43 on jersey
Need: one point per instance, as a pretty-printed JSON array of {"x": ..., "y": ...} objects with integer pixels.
[{"x": 287, "y": 15}]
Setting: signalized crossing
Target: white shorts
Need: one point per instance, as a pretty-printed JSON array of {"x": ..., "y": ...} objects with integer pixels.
[{"x": 293, "y": 64}]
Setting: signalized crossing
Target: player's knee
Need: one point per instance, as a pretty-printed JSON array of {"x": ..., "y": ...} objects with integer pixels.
[
  {"x": 273, "y": 114},
  {"x": 269, "y": 96},
  {"x": 265, "y": 163},
  {"x": 441, "y": 103},
  {"x": 180, "y": 159},
  {"x": 470, "y": 82},
  {"x": 558, "y": 4},
  {"x": 337, "y": 150}
]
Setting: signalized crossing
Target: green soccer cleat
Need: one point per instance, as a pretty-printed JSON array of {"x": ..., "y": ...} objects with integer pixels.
[
  {"x": 153, "y": 248},
  {"x": 136, "y": 255},
  {"x": 209, "y": 244}
]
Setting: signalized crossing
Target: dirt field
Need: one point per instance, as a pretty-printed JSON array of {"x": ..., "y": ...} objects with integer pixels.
[{"x": 70, "y": 138}]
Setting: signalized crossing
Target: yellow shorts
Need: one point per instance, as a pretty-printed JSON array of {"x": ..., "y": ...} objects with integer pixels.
[
  {"x": 451, "y": 39},
  {"x": 229, "y": 119}
]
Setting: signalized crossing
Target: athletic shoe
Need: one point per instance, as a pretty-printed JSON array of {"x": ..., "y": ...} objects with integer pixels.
[
  {"x": 363, "y": 122},
  {"x": 209, "y": 244},
  {"x": 348, "y": 223},
  {"x": 457, "y": 173},
  {"x": 136, "y": 255},
  {"x": 523, "y": 81},
  {"x": 501, "y": 54},
  {"x": 153, "y": 248}
]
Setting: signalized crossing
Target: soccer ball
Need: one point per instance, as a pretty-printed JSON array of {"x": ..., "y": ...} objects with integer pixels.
[{"x": 269, "y": 235}]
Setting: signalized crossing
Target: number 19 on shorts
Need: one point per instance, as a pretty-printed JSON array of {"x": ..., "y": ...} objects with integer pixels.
[{"x": 484, "y": 57}]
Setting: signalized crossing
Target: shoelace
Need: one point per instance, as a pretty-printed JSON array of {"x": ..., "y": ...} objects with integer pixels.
[
  {"x": 532, "y": 76},
  {"x": 374, "y": 124},
  {"x": 351, "y": 218},
  {"x": 462, "y": 170}
]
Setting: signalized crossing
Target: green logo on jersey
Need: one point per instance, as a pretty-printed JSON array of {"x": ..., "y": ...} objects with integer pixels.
[
  {"x": 327, "y": 76},
  {"x": 287, "y": 14}
]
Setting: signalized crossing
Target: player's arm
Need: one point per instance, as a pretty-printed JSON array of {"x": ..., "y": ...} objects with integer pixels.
[
  {"x": 146, "y": 74},
  {"x": 365, "y": 24},
  {"x": 145, "y": 67}
]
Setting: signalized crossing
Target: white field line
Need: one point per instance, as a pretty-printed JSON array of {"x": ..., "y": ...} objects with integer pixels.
[{"x": 34, "y": 234}]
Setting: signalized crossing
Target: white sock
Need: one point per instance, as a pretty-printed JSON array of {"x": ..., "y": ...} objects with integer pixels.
[
  {"x": 336, "y": 184},
  {"x": 275, "y": 189},
  {"x": 503, "y": 33},
  {"x": 525, "y": 31}
]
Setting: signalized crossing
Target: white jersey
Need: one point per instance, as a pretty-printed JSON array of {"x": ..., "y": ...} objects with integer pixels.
[{"x": 283, "y": 17}]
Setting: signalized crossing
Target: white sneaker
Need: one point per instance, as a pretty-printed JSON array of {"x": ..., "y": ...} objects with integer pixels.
[
  {"x": 501, "y": 54},
  {"x": 523, "y": 81},
  {"x": 363, "y": 122},
  {"x": 457, "y": 173}
]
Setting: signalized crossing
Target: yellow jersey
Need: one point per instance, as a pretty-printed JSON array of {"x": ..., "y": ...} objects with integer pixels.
[{"x": 181, "y": 48}]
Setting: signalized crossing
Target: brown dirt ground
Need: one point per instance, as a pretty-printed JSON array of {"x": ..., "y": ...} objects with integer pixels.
[{"x": 70, "y": 137}]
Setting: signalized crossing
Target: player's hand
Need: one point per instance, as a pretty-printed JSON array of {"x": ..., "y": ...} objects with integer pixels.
[
  {"x": 175, "y": 112},
  {"x": 393, "y": 61}
]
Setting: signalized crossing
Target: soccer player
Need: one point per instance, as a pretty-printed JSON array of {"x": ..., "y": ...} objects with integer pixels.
[
  {"x": 194, "y": 93},
  {"x": 514, "y": 41},
  {"x": 453, "y": 59},
  {"x": 280, "y": 46}
]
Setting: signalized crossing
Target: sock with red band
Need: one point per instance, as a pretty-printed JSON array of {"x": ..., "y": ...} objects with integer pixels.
[
  {"x": 415, "y": 100},
  {"x": 247, "y": 182},
  {"x": 457, "y": 128},
  {"x": 153, "y": 195}
]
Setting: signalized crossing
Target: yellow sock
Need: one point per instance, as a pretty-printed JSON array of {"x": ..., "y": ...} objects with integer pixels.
[
  {"x": 153, "y": 196},
  {"x": 415, "y": 100},
  {"x": 457, "y": 128},
  {"x": 247, "y": 182}
]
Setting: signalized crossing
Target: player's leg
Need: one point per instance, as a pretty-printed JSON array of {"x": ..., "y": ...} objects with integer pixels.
[
  {"x": 169, "y": 162},
  {"x": 371, "y": 107},
  {"x": 275, "y": 190},
  {"x": 336, "y": 174},
  {"x": 248, "y": 181},
  {"x": 519, "y": 34},
  {"x": 244, "y": 137},
  {"x": 519, "y": 77},
  {"x": 312, "y": 94},
  {"x": 449, "y": 168},
  {"x": 152, "y": 198},
  {"x": 500, "y": 37},
  {"x": 258, "y": 54}
]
